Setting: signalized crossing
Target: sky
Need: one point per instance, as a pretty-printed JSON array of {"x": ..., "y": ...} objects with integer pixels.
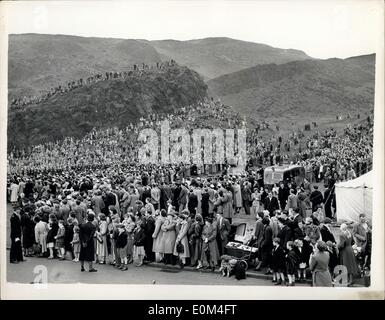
[{"x": 322, "y": 29}]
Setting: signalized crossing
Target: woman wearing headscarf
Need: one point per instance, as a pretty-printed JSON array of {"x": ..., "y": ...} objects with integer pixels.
[
  {"x": 196, "y": 241},
  {"x": 347, "y": 257},
  {"x": 319, "y": 265}
]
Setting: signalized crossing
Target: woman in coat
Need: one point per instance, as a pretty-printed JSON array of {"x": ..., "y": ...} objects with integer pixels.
[
  {"x": 210, "y": 252},
  {"x": 227, "y": 203},
  {"x": 347, "y": 257},
  {"x": 196, "y": 241},
  {"x": 169, "y": 237},
  {"x": 237, "y": 197},
  {"x": 319, "y": 265},
  {"x": 158, "y": 244},
  {"x": 182, "y": 239},
  {"x": 129, "y": 225},
  {"x": 28, "y": 227},
  {"x": 14, "y": 192},
  {"x": 101, "y": 246},
  {"x": 41, "y": 230}
]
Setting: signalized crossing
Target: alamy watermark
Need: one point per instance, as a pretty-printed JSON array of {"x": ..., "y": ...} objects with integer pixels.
[{"x": 203, "y": 146}]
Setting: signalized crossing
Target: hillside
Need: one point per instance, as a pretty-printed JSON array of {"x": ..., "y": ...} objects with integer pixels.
[
  {"x": 213, "y": 57},
  {"x": 310, "y": 88},
  {"x": 108, "y": 103},
  {"x": 40, "y": 61}
]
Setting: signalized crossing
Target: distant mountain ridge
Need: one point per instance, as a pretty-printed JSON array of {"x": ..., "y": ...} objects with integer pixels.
[
  {"x": 40, "y": 61},
  {"x": 300, "y": 87}
]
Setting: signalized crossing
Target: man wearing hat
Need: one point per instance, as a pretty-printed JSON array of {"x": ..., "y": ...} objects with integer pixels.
[
  {"x": 87, "y": 247},
  {"x": 223, "y": 230}
]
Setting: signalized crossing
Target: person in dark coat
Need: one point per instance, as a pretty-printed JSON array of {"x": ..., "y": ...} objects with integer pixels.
[
  {"x": 329, "y": 199},
  {"x": 278, "y": 262},
  {"x": 285, "y": 233},
  {"x": 333, "y": 253},
  {"x": 87, "y": 249},
  {"x": 325, "y": 231},
  {"x": 316, "y": 198},
  {"x": 68, "y": 237},
  {"x": 28, "y": 230},
  {"x": 271, "y": 204},
  {"x": 192, "y": 202},
  {"x": 266, "y": 245},
  {"x": 205, "y": 203},
  {"x": 16, "y": 253},
  {"x": 283, "y": 195},
  {"x": 303, "y": 250},
  {"x": 292, "y": 263},
  {"x": 148, "y": 241}
]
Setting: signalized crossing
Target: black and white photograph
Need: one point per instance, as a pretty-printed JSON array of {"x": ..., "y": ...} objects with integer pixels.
[{"x": 192, "y": 149}]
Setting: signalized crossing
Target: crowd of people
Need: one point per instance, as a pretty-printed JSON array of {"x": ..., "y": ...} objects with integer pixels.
[
  {"x": 91, "y": 200},
  {"x": 146, "y": 215},
  {"x": 134, "y": 70}
]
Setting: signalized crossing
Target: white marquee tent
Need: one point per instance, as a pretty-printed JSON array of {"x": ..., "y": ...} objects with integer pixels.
[{"x": 354, "y": 197}]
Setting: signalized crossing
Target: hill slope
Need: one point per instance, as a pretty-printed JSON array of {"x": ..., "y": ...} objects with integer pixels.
[
  {"x": 300, "y": 88},
  {"x": 213, "y": 57},
  {"x": 104, "y": 104},
  {"x": 40, "y": 61}
]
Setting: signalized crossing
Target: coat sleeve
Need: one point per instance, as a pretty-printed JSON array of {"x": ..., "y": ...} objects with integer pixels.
[
  {"x": 36, "y": 234},
  {"x": 312, "y": 263}
]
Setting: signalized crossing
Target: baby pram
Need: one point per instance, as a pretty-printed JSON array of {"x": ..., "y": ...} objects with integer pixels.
[{"x": 242, "y": 249}]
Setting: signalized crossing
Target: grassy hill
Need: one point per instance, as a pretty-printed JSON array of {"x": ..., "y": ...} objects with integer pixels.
[
  {"x": 104, "y": 104},
  {"x": 310, "y": 89}
]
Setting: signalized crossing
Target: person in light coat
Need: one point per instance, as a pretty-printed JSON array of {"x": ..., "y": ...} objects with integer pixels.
[
  {"x": 182, "y": 238},
  {"x": 319, "y": 265},
  {"x": 237, "y": 197},
  {"x": 169, "y": 236},
  {"x": 41, "y": 230},
  {"x": 158, "y": 244}
]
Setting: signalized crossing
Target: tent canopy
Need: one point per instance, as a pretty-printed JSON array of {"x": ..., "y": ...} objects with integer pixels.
[{"x": 354, "y": 197}]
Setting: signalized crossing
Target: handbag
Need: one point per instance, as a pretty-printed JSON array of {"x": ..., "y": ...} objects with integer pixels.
[
  {"x": 180, "y": 248},
  {"x": 36, "y": 248}
]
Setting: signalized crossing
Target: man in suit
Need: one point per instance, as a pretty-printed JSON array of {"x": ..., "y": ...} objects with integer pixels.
[
  {"x": 258, "y": 236},
  {"x": 223, "y": 230},
  {"x": 283, "y": 194},
  {"x": 16, "y": 253},
  {"x": 87, "y": 248},
  {"x": 325, "y": 231},
  {"x": 360, "y": 231},
  {"x": 97, "y": 202},
  {"x": 271, "y": 203},
  {"x": 316, "y": 198}
]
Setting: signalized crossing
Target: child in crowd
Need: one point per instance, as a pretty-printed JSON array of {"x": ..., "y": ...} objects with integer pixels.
[
  {"x": 59, "y": 243},
  {"x": 303, "y": 259},
  {"x": 121, "y": 246},
  {"x": 76, "y": 244},
  {"x": 292, "y": 263},
  {"x": 278, "y": 262},
  {"x": 139, "y": 237}
]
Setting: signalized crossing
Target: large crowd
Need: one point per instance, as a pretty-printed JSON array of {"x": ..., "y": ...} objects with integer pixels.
[
  {"x": 90, "y": 199},
  {"x": 131, "y": 71}
]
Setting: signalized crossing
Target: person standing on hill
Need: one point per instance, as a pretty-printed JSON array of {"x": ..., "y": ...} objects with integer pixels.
[{"x": 87, "y": 249}]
